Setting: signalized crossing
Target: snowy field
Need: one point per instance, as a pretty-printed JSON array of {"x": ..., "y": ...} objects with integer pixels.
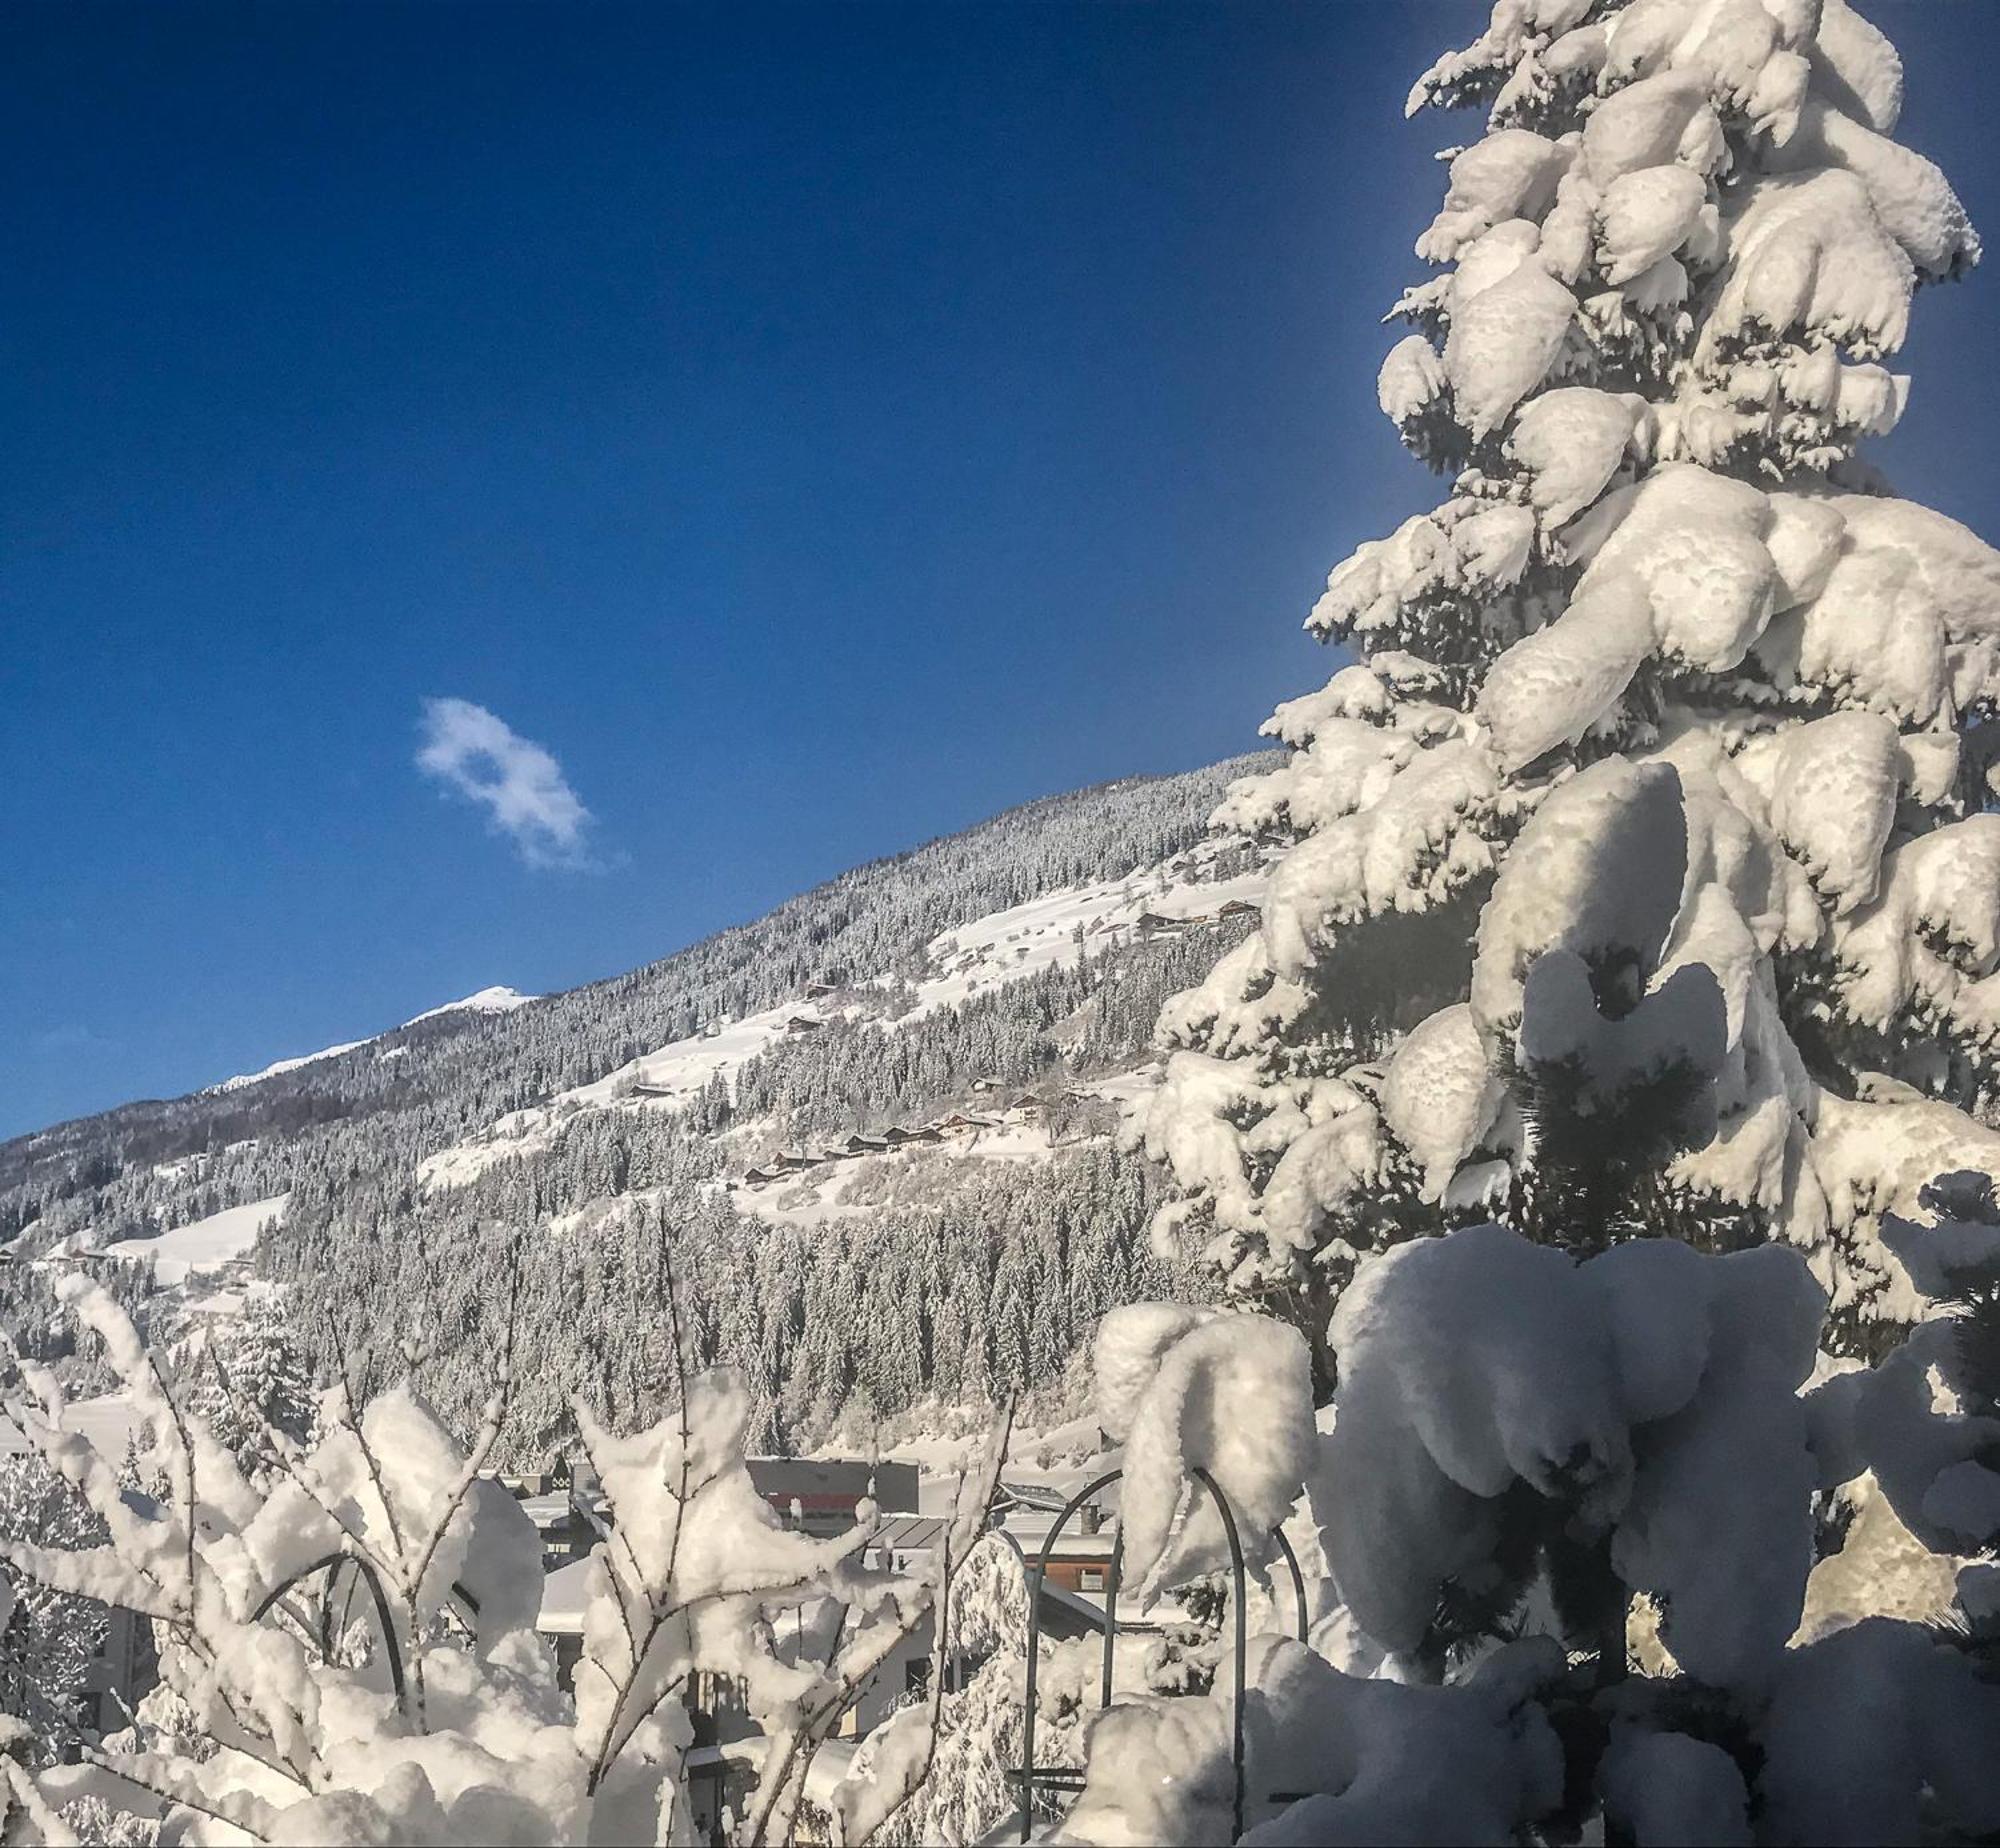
[
  {"x": 108, "y": 1423},
  {"x": 204, "y": 1244}
]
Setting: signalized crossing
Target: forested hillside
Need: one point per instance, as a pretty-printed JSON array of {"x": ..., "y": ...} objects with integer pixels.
[{"x": 412, "y": 1170}]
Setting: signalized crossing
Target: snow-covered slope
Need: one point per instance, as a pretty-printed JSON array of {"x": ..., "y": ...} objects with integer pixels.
[
  {"x": 496, "y": 1000},
  {"x": 278, "y": 1067},
  {"x": 1055, "y": 930},
  {"x": 940, "y": 1042},
  {"x": 205, "y": 1244}
]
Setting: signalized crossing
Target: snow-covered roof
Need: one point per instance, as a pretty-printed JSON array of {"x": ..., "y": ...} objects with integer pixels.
[
  {"x": 910, "y": 1533},
  {"x": 1030, "y": 1529},
  {"x": 553, "y": 1509},
  {"x": 563, "y": 1600}
]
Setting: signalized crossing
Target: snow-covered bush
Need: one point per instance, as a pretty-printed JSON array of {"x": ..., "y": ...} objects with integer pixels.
[
  {"x": 350, "y": 1637},
  {"x": 1637, "y": 873},
  {"x": 1524, "y": 1454}
]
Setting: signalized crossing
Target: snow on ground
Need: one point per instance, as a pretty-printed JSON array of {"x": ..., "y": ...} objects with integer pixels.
[
  {"x": 487, "y": 1001},
  {"x": 1003, "y": 946},
  {"x": 1058, "y": 1459},
  {"x": 848, "y": 1186},
  {"x": 205, "y": 1244},
  {"x": 1128, "y": 1088},
  {"x": 193, "y": 1167},
  {"x": 108, "y": 1422},
  {"x": 1043, "y": 933},
  {"x": 670, "y": 1076}
]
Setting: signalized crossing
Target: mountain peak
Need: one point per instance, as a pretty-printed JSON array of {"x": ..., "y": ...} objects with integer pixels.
[{"x": 498, "y": 1000}]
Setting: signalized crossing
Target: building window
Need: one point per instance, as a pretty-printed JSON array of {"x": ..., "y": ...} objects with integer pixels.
[
  {"x": 917, "y": 1677},
  {"x": 1091, "y": 1578}
]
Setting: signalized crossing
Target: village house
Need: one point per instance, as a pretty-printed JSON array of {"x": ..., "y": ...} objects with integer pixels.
[
  {"x": 1075, "y": 1587},
  {"x": 821, "y": 1495},
  {"x": 566, "y": 1506},
  {"x": 957, "y": 1123}
]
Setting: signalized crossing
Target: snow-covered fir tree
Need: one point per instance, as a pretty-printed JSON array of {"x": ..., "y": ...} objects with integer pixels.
[
  {"x": 246, "y": 1378},
  {"x": 1638, "y": 923},
  {"x": 1639, "y": 872},
  {"x": 47, "y": 1638}
]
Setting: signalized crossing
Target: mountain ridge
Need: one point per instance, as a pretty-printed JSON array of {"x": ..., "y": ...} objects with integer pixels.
[
  {"x": 13, "y": 1150},
  {"x": 448, "y": 1073}
]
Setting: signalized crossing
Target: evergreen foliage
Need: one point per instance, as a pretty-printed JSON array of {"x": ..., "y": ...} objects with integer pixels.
[{"x": 1639, "y": 873}]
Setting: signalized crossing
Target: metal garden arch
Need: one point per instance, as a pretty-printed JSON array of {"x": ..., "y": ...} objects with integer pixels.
[{"x": 1029, "y": 1776}]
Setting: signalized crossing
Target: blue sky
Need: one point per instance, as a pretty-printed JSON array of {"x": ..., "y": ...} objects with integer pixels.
[{"x": 804, "y": 431}]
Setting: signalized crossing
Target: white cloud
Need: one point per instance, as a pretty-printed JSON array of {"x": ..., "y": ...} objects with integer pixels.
[{"x": 481, "y": 756}]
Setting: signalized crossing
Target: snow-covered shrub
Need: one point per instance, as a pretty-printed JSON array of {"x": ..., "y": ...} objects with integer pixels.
[
  {"x": 1522, "y": 1446},
  {"x": 350, "y": 1638},
  {"x": 1636, "y": 874}
]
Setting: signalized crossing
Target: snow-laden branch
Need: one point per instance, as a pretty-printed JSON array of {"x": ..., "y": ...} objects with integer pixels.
[{"x": 477, "y": 1737}]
